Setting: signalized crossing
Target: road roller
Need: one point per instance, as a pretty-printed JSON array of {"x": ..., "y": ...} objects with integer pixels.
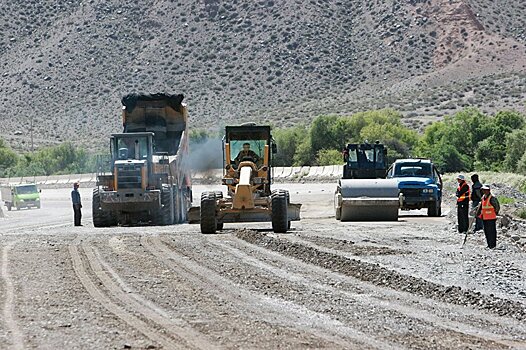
[{"x": 363, "y": 193}]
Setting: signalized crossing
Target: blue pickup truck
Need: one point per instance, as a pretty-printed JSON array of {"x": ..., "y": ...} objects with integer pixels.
[{"x": 419, "y": 183}]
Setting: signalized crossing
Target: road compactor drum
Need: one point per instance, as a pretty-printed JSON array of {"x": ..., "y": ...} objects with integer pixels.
[
  {"x": 247, "y": 175},
  {"x": 363, "y": 194}
]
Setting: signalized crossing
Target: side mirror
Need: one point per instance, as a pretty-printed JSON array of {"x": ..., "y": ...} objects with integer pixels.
[{"x": 274, "y": 148}]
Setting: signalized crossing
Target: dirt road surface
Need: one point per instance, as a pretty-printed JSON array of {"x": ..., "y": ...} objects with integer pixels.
[{"x": 325, "y": 284}]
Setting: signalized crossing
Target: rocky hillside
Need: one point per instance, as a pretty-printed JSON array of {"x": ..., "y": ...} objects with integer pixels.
[{"x": 66, "y": 64}]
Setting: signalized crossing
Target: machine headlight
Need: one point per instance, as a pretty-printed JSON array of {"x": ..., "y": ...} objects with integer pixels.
[
  {"x": 228, "y": 181},
  {"x": 259, "y": 180}
]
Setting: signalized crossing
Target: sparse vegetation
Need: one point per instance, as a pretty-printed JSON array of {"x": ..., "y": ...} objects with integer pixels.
[{"x": 61, "y": 159}]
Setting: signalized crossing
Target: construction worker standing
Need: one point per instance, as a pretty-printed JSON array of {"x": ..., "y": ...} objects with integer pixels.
[
  {"x": 488, "y": 213},
  {"x": 77, "y": 205},
  {"x": 476, "y": 196},
  {"x": 463, "y": 193}
]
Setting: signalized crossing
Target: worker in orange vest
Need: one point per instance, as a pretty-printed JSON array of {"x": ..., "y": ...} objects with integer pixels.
[
  {"x": 463, "y": 193},
  {"x": 488, "y": 212}
]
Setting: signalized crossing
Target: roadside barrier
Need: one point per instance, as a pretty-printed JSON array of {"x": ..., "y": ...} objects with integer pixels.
[{"x": 282, "y": 173}]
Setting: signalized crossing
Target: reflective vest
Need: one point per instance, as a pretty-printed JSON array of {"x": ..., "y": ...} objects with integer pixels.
[
  {"x": 488, "y": 211},
  {"x": 465, "y": 195}
]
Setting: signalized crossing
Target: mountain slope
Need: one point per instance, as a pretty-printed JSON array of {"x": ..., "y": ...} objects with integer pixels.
[{"x": 67, "y": 65}]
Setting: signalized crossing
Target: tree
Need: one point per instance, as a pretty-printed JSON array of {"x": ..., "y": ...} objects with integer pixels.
[
  {"x": 287, "y": 141},
  {"x": 515, "y": 149},
  {"x": 329, "y": 157}
]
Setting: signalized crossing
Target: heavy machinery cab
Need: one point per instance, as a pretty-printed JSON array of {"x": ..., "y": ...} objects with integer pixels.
[
  {"x": 248, "y": 146},
  {"x": 131, "y": 155},
  {"x": 364, "y": 161}
]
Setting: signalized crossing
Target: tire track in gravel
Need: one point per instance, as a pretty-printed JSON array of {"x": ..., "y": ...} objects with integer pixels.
[
  {"x": 272, "y": 310},
  {"x": 393, "y": 304},
  {"x": 81, "y": 270},
  {"x": 17, "y": 229},
  {"x": 118, "y": 289},
  {"x": 17, "y": 338},
  {"x": 382, "y": 276}
]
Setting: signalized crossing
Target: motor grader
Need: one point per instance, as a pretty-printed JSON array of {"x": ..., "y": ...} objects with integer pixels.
[{"x": 247, "y": 175}]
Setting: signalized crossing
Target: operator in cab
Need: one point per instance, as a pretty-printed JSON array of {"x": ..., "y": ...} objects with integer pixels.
[{"x": 246, "y": 153}]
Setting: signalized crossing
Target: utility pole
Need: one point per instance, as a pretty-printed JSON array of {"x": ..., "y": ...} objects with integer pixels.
[{"x": 31, "y": 131}]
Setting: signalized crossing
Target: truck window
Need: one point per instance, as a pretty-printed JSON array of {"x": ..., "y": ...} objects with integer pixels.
[
  {"x": 257, "y": 146},
  {"x": 26, "y": 189},
  {"x": 416, "y": 169},
  {"x": 135, "y": 147}
]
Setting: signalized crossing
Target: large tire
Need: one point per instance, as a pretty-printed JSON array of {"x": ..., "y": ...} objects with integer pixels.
[
  {"x": 185, "y": 198},
  {"x": 280, "y": 217},
  {"x": 101, "y": 218},
  {"x": 165, "y": 214},
  {"x": 435, "y": 209},
  {"x": 208, "y": 213},
  {"x": 9, "y": 206}
]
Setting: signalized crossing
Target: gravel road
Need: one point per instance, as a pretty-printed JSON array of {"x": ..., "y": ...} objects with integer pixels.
[{"x": 325, "y": 284}]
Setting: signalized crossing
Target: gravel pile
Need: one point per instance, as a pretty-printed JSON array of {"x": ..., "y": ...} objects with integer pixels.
[{"x": 381, "y": 276}]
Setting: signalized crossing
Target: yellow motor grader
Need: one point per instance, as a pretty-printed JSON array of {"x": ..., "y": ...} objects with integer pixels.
[{"x": 247, "y": 174}]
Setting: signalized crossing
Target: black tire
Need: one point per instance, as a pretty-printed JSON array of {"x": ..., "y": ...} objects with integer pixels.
[
  {"x": 38, "y": 206},
  {"x": 435, "y": 209},
  {"x": 17, "y": 207},
  {"x": 101, "y": 218},
  {"x": 280, "y": 218},
  {"x": 220, "y": 226},
  {"x": 208, "y": 213},
  {"x": 218, "y": 194},
  {"x": 165, "y": 214},
  {"x": 9, "y": 207},
  {"x": 185, "y": 203}
]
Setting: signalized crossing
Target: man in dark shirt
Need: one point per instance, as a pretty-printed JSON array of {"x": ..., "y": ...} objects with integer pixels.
[
  {"x": 476, "y": 196},
  {"x": 462, "y": 204},
  {"x": 246, "y": 152},
  {"x": 77, "y": 205}
]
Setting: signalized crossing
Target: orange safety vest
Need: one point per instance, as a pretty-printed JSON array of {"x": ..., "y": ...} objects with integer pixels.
[
  {"x": 488, "y": 211},
  {"x": 465, "y": 195}
]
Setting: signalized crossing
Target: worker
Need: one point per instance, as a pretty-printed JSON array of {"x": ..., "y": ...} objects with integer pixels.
[
  {"x": 476, "y": 196},
  {"x": 462, "y": 204},
  {"x": 77, "y": 205},
  {"x": 488, "y": 213},
  {"x": 246, "y": 152}
]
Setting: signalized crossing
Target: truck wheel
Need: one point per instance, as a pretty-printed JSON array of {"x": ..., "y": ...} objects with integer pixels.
[
  {"x": 164, "y": 216},
  {"x": 101, "y": 218},
  {"x": 208, "y": 213},
  {"x": 17, "y": 207},
  {"x": 220, "y": 226},
  {"x": 280, "y": 217},
  {"x": 9, "y": 206},
  {"x": 435, "y": 209},
  {"x": 338, "y": 213}
]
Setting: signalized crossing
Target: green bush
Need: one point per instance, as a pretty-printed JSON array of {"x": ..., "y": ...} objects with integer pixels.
[
  {"x": 62, "y": 159},
  {"x": 515, "y": 150},
  {"x": 8, "y": 158},
  {"x": 329, "y": 157},
  {"x": 470, "y": 140}
]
